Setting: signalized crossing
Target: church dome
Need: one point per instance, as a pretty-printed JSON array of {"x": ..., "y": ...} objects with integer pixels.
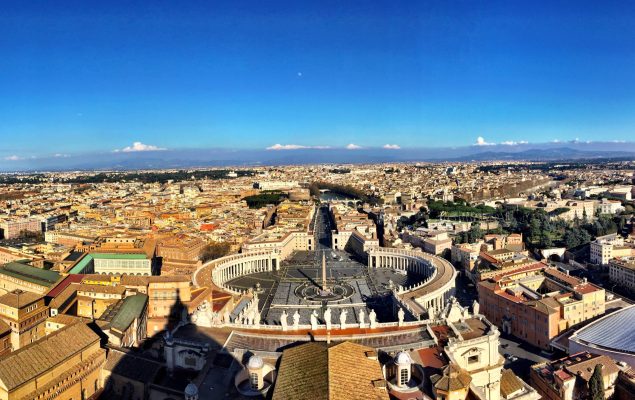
[
  {"x": 191, "y": 390},
  {"x": 403, "y": 358},
  {"x": 255, "y": 362}
]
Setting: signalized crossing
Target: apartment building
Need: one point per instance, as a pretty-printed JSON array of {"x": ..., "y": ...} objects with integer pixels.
[
  {"x": 622, "y": 272},
  {"x": 537, "y": 307},
  {"x": 568, "y": 378},
  {"x": 13, "y": 228},
  {"x": 604, "y": 248}
]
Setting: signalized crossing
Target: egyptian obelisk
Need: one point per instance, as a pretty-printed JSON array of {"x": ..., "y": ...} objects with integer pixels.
[{"x": 324, "y": 288}]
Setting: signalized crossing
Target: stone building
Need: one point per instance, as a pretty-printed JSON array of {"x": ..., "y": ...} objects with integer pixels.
[
  {"x": 26, "y": 314},
  {"x": 65, "y": 364}
]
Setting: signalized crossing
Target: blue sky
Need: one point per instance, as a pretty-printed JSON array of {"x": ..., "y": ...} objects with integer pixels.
[{"x": 79, "y": 78}]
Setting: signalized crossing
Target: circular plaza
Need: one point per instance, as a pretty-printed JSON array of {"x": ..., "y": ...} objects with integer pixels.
[{"x": 326, "y": 286}]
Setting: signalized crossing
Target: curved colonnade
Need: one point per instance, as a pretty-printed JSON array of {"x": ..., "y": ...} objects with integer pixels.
[
  {"x": 430, "y": 295},
  {"x": 226, "y": 268},
  {"x": 422, "y": 300}
]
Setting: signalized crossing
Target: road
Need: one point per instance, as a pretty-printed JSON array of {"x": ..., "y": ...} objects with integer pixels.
[{"x": 526, "y": 355}]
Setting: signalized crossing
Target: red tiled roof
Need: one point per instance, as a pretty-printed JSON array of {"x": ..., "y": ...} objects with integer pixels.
[
  {"x": 64, "y": 283},
  {"x": 432, "y": 357}
]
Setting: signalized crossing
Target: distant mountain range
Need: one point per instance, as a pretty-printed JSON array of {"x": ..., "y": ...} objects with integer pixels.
[
  {"x": 561, "y": 153},
  {"x": 192, "y": 158}
]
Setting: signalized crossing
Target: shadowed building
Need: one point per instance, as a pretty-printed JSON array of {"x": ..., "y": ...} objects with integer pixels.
[{"x": 317, "y": 371}]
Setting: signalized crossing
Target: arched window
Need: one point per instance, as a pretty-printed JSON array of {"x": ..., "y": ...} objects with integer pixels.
[
  {"x": 403, "y": 376},
  {"x": 253, "y": 379}
]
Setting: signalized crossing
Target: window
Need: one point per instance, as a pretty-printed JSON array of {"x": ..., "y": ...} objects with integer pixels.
[
  {"x": 403, "y": 376},
  {"x": 253, "y": 379},
  {"x": 472, "y": 359}
]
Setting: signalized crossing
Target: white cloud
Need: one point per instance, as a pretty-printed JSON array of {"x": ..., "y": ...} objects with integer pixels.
[
  {"x": 480, "y": 141},
  {"x": 513, "y": 143},
  {"x": 392, "y": 146},
  {"x": 353, "y": 146},
  {"x": 60, "y": 155},
  {"x": 138, "y": 146},
  {"x": 555, "y": 141},
  {"x": 13, "y": 158},
  {"x": 279, "y": 146}
]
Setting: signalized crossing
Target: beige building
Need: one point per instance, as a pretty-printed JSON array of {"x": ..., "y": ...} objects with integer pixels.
[
  {"x": 13, "y": 228},
  {"x": 26, "y": 314},
  {"x": 622, "y": 272},
  {"x": 64, "y": 365},
  {"x": 93, "y": 300},
  {"x": 18, "y": 276},
  {"x": 605, "y": 248}
]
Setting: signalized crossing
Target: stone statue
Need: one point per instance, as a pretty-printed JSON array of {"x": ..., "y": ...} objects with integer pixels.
[
  {"x": 283, "y": 320},
  {"x": 296, "y": 320},
  {"x": 475, "y": 307},
  {"x": 314, "y": 320},
  {"x": 343, "y": 314},
  {"x": 372, "y": 317},
  {"x": 226, "y": 317},
  {"x": 257, "y": 318},
  {"x": 250, "y": 318},
  {"x": 361, "y": 316},
  {"x": 400, "y": 315},
  {"x": 327, "y": 318}
]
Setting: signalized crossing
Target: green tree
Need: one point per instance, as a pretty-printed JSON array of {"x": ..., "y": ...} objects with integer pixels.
[
  {"x": 215, "y": 250},
  {"x": 596, "y": 384}
]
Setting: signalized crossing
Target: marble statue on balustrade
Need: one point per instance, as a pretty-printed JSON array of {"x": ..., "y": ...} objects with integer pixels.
[
  {"x": 257, "y": 318},
  {"x": 400, "y": 316},
  {"x": 361, "y": 317},
  {"x": 475, "y": 308},
  {"x": 250, "y": 318},
  {"x": 203, "y": 315},
  {"x": 296, "y": 320},
  {"x": 283, "y": 320},
  {"x": 372, "y": 317},
  {"x": 343, "y": 315},
  {"x": 314, "y": 320},
  {"x": 327, "y": 318}
]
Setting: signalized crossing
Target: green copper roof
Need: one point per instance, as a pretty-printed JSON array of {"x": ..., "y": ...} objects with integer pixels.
[
  {"x": 31, "y": 274},
  {"x": 82, "y": 264},
  {"x": 131, "y": 308}
]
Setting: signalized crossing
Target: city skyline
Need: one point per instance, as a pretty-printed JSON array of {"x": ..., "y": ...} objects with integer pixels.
[{"x": 85, "y": 79}]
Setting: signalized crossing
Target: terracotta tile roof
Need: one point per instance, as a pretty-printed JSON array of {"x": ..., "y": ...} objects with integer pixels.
[
  {"x": 19, "y": 298},
  {"x": 131, "y": 366},
  {"x": 584, "y": 368},
  {"x": 35, "y": 359},
  {"x": 510, "y": 383},
  {"x": 317, "y": 371},
  {"x": 101, "y": 289},
  {"x": 453, "y": 378},
  {"x": 303, "y": 373},
  {"x": 432, "y": 357}
]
